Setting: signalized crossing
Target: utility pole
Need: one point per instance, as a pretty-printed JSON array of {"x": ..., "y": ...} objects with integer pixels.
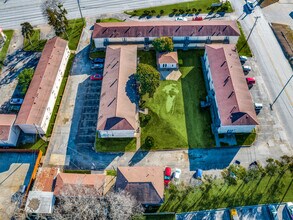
[
  {"x": 271, "y": 105},
  {"x": 256, "y": 18},
  {"x": 80, "y": 12}
]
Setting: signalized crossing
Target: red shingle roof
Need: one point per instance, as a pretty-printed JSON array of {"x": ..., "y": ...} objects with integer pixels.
[
  {"x": 45, "y": 179},
  {"x": 117, "y": 111},
  {"x": 72, "y": 184},
  {"x": 36, "y": 99},
  {"x": 168, "y": 57},
  {"x": 232, "y": 95},
  {"x": 146, "y": 184},
  {"x": 6, "y": 122},
  {"x": 165, "y": 28}
]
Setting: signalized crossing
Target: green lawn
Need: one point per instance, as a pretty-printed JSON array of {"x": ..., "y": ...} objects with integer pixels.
[
  {"x": 60, "y": 94},
  {"x": 192, "y": 7},
  {"x": 278, "y": 188},
  {"x": 3, "y": 52},
  {"x": 74, "y": 31},
  {"x": 245, "y": 139},
  {"x": 242, "y": 45},
  {"x": 176, "y": 118},
  {"x": 36, "y": 44},
  {"x": 108, "y": 20},
  {"x": 39, "y": 145},
  {"x": 115, "y": 144}
]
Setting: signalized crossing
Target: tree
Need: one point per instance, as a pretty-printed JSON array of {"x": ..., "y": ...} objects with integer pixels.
[
  {"x": 27, "y": 31},
  {"x": 163, "y": 44},
  {"x": 272, "y": 167},
  {"x": 24, "y": 79},
  {"x": 55, "y": 13},
  {"x": 114, "y": 205},
  {"x": 148, "y": 79}
]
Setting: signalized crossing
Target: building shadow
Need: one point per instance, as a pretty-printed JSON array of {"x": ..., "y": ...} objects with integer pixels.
[
  {"x": 212, "y": 158},
  {"x": 139, "y": 155},
  {"x": 82, "y": 63}
]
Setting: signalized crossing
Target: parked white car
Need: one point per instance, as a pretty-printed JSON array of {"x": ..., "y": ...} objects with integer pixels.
[
  {"x": 181, "y": 19},
  {"x": 246, "y": 68},
  {"x": 177, "y": 174},
  {"x": 243, "y": 58}
]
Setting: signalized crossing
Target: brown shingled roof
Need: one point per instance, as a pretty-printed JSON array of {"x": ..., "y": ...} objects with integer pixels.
[
  {"x": 36, "y": 99},
  {"x": 117, "y": 111},
  {"x": 72, "y": 184},
  {"x": 45, "y": 179},
  {"x": 146, "y": 184},
  {"x": 165, "y": 28},
  {"x": 232, "y": 95},
  {"x": 6, "y": 122},
  {"x": 168, "y": 57}
]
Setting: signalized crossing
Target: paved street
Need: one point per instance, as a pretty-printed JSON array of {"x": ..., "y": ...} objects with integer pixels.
[
  {"x": 259, "y": 212},
  {"x": 272, "y": 63},
  {"x": 14, "y": 12}
]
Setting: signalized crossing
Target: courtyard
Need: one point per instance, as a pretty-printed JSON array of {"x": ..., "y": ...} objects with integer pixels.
[{"x": 176, "y": 120}]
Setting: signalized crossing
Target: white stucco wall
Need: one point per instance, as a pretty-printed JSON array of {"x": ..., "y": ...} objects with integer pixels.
[
  {"x": 168, "y": 66},
  {"x": 31, "y": 129},
  {"x": 13, "y": 137},
  {"x": 116, "y": 133},
  {"x": 54, "y": 93},
  {"x": 236, "y": 129}
]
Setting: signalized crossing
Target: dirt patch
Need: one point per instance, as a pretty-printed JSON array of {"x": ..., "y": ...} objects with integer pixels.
[
  {"x": 264, "y": 3},
  {"x": 284, "y": 35}
]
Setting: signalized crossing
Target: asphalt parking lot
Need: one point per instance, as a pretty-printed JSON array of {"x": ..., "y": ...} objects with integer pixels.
[
  {"x": 89, "y": 115},
  {"x": 270, "y": 130}
]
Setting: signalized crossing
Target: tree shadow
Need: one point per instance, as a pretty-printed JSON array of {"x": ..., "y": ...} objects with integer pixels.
[
  {"x": 131, "y": 90},
  {"x": 13, "y": 65}
]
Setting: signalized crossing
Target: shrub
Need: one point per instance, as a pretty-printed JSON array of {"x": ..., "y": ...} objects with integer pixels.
[
  {"x": 149, "y": 142},
  {"x": 162, "y": 12}
]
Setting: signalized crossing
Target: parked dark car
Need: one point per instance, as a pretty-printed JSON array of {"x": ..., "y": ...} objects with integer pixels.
[
  {"x": 98, "y": 60},
  {"x": 97, "y": 66}
]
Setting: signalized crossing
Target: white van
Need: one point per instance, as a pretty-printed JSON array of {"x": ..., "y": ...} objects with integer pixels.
[{"x": 257, "y": 106}]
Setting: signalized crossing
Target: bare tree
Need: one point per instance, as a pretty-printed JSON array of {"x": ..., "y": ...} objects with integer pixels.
[{"x": 89, "y": 204}]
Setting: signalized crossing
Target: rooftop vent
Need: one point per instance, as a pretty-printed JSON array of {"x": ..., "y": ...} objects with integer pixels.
[
  {"x": 231, "y": 94},
  {"x": 151, "y": 29}
]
